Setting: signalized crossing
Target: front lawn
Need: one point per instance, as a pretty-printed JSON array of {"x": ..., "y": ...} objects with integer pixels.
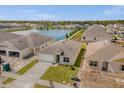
[
  {"x": 27, "y": 67},
  {"x": 60, "y": 74},
  {"x": 40, "y": 86},
  {"x": 7, "y": 81}
]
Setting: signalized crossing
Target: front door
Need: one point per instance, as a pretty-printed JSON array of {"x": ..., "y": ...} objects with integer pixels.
[
  {"x": 105, "y": 66},
  {"x": 57, "y": 58}
]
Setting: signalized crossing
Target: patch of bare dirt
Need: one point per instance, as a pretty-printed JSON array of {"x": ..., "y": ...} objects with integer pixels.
[{"x": 95, "y": 79}]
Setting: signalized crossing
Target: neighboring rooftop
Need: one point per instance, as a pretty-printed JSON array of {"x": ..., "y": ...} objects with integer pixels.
[
  {"x": 95, "y": 46},
  {"x": 107, "y": 53},
  {"x": 31, "y": 40},
  {"x": 97, "y": 31},
  {"x": 4, "y": 36}
]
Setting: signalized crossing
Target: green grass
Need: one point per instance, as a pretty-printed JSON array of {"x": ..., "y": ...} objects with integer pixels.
[
  {"x": 7, "y": 81},
  {"x": 27, "y": 67},
  {"x": 40, "y": 86},
  {"x": 115, "y": 37},
  {"x": 80, "y": 58},
  {"x": 81, "y": 55},
  {"x": 84, "y": 45},
  {"x": 119, "y": 60},
  {"x": 77, "y": 36},
  {"x": 60, "y": 74}
]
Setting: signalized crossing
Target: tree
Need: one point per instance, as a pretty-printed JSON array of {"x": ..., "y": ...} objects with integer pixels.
[
  {"x": 70, "y": 33},
  {"x": 67, "y": 36}
]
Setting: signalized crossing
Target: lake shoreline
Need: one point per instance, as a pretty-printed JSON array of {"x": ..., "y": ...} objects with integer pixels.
[{"x": 57, "y": 34}]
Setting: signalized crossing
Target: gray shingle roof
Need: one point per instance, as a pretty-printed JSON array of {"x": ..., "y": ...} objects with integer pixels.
[
  {"x": 28, "y": 41},
  {"x": 106, "y": 53},
  {"x": 97, "y": 31},
  {"x": 4, "y": 36},
  {"x": 70, "y": 48}
]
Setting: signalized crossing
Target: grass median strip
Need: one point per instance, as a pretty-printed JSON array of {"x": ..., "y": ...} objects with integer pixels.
[
  {"x": 40, "y": 86},
  {"x": 27, "y": 67},
  {"x": 7, "y": 81}
]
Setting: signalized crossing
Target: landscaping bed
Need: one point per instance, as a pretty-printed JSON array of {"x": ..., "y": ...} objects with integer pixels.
[
  {"x": 8, "y": 80},
  {"x": 40, "y": 86}
]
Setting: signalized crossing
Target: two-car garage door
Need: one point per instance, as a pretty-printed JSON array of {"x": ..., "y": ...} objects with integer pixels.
[
  {"x": 3, "y": 52},
  {"x": 47, "y": 57}
]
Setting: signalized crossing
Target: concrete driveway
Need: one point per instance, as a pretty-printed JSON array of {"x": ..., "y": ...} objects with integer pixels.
[{"x": 29, "y": 78}]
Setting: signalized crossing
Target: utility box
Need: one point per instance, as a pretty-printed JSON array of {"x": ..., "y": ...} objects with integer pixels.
[{"x": 6, "y": 66}]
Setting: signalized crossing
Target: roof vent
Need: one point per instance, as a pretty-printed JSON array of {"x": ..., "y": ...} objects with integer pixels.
[{"x": 20, "y": 41}]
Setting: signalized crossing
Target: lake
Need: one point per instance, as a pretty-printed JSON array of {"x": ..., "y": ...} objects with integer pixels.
[{"x": 57, "y": 34}]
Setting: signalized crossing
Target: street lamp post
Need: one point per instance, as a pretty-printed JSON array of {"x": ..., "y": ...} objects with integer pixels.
[{"x": 51, "y": 84}]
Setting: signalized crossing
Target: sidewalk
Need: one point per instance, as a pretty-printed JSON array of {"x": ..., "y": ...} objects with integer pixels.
[{"x": 57, "y": 85}]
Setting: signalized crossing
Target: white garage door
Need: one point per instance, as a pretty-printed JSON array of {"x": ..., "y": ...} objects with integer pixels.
[{"x": 47, "y": 57}]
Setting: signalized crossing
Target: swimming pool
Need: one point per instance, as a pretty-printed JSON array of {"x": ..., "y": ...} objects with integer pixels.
[{"x": 57, "y": 34}]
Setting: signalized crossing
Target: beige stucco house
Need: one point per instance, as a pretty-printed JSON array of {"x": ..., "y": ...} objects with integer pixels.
[
  {"x": 105, "y": 56},
  {"x": 96, "y": 33},
  {"x": 23, "y": 46},
  {"x": 62, "y": 52}
]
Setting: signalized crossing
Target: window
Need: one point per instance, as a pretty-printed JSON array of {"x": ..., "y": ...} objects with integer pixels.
[
  {"x": 93, "y": 63},
  {"x": 122, "y": 67},
  {"x": 84, "y": 38},
  {"x": 94, "y": 38},
  {"x": 66, "y": 59}
]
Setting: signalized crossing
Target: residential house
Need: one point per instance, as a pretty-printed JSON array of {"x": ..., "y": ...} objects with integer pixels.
[
  {"x": 24, "y": 46},
  {"x": 96, "y": 33},
  {"x": 105, "y": 56},
  {"x": 63, "y": 52}
]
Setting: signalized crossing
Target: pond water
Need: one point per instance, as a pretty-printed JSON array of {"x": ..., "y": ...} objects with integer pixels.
[{"x": 57, "y": 34}]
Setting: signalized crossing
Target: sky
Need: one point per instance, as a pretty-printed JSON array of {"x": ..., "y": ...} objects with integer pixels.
[{"x": 61, "y": 12}]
